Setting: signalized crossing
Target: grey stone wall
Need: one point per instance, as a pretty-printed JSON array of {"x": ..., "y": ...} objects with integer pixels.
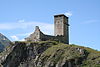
[{"x": 61, "y": 31}]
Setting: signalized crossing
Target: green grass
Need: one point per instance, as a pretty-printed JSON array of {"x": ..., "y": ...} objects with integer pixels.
[
  {"x": 59, "y": 52},
  {"x": 69, "y": 52}
]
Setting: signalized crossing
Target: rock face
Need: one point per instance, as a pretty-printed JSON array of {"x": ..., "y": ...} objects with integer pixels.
[
  {"x": 23, "y": 53},
  {"x": 4, "y": 41},
  {"x": 49, "y": 54}
]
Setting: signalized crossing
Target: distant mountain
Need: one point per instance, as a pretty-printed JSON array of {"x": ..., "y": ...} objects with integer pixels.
[
  {"x": 4, "y": 41},
  {"x": 48, "y": 54}
]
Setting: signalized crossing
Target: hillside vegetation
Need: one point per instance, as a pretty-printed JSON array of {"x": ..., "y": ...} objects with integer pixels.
[{"x": 49, "y": 54}]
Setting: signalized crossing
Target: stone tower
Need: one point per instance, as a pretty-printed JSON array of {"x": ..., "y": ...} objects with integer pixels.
[
  {"x": 61, "y": 31},
  {"x": 61, "y": 27}
]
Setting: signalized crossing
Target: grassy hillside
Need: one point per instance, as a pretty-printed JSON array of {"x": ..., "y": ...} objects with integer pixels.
[
  {"x": 76, "y": 55},
  {"x": 49, "y": 54}
]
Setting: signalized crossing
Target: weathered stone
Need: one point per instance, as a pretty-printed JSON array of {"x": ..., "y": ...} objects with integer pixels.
[{"x": 61, "y": 31}]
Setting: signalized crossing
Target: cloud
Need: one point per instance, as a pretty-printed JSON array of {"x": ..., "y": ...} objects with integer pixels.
[
  {"x": 14, "y": 38},
  {"x": 10, "y": 26},
  {"x": 22, "y": 40},
  {"x": 68, "y": 14},
  {"x": 27, "y": 28},
  {"x": 45, "y": 27},
  {"x": 91, "y": 21},
  {"x": 21, "y": 20},
  {"x": 24, "y": 34}
]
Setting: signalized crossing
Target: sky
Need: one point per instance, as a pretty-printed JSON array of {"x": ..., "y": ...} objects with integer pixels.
[{"x": 18, "y": 19}]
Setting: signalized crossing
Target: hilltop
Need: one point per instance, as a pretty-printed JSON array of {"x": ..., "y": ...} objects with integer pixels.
[
  {"x": 48, "y": 54},
  {"x": 4, "y": 41}
]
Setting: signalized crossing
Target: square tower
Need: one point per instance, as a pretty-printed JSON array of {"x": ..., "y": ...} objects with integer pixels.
[{"x": 61, "y": 27}]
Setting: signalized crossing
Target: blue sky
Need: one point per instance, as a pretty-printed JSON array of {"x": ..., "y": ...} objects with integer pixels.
[{"x": 18, "y": 19}]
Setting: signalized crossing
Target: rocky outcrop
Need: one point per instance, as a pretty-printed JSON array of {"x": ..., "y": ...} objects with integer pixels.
[
  {"x": 4, "y": 41},
  {"x": 49, "y": 54},
  {"x": 24, "y": 52},
  {"x": 62, "y": 56}
]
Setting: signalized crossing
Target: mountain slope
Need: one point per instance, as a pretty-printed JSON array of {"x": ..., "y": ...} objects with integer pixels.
[
  {"x": 49, "y": 54},
  {"x": 4, "y": 41},
  {"x": 70, "y": 56}
]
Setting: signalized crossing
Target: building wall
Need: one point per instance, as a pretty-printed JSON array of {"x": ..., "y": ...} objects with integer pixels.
[
  {"x": 61, "y": 27},
  {"x": 61, "y": 31}
]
